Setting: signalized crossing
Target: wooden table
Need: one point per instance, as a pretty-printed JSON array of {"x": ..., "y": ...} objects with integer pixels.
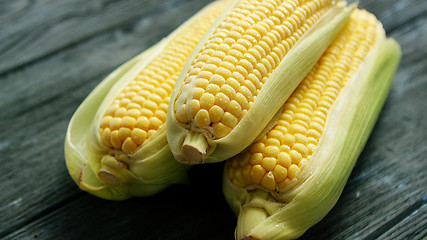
[{"x": 53, "y": 53}]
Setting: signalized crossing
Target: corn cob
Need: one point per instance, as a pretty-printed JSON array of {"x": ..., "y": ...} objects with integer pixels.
[
  {"x": 122, "y": 151},
  {"x": 290, "y": 178},
  {"x": 243, "y": 71}
]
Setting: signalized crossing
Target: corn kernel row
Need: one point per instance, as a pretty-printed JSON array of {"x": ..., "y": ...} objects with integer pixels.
[
  {"x": 230, "y": 70},
  {"x": 281, "y": 154},
  {"x": 140, "y": 109}
]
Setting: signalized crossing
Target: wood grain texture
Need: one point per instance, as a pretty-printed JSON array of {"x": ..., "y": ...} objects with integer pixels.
[
  {"x": 97, "y": 56},
  {"x": 34, "y": 29},
  {"x": 37, "y": 102},
  {"x": 412, "y": 227},
  {"x": 394, "y": 14},
  {"x": 196, "y": 211},
  {"x": 52, "y": 53}
]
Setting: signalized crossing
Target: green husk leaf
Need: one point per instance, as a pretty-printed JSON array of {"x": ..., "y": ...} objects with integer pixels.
[
  {"x": 110, "y": 173},
  {"x": 347, "y": 129},
  {"x": 280, "y": 85},
  {"x": 151, "y": 168},
  {"x": 76, "y": 137}
]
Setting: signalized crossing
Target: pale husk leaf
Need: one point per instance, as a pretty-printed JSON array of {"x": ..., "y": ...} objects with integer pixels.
[
  {"x": 295, "y": 65},
  {"x": 347, "y": 129}
]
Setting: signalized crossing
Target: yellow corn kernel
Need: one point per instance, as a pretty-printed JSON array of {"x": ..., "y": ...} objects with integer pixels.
[
  {"x": 304, "y": 114},
  {"x": 240, "y": 55},
  {"x": 116, "y": 145},
  {"x": 320, "y": 132},
  {"x": 140, "y": 109}
]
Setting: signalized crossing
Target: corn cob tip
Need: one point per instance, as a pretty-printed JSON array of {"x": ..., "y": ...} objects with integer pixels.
[
  {"x": 114, "y": 172},
  {"x": 194, "y": 149},
  {"x": 193, "y": 155},
  {"x": 108, "y": 178},
  {"x": 256, "y": 216}
]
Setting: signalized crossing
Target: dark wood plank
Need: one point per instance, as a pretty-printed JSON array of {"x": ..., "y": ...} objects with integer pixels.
[
  {"x": 196, "y": 211},
  {"x": 413, "y": 227},
  {"x": 385, "y": 196},
  {"x": 37, "y": 104},
  {"x": 31, "y": 30},
  {"x": 395, "y": 13},
  {"x": 115, "y": 47}
]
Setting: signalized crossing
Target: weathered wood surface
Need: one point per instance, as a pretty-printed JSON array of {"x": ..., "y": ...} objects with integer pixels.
[{"x": 52, "y": 53}]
